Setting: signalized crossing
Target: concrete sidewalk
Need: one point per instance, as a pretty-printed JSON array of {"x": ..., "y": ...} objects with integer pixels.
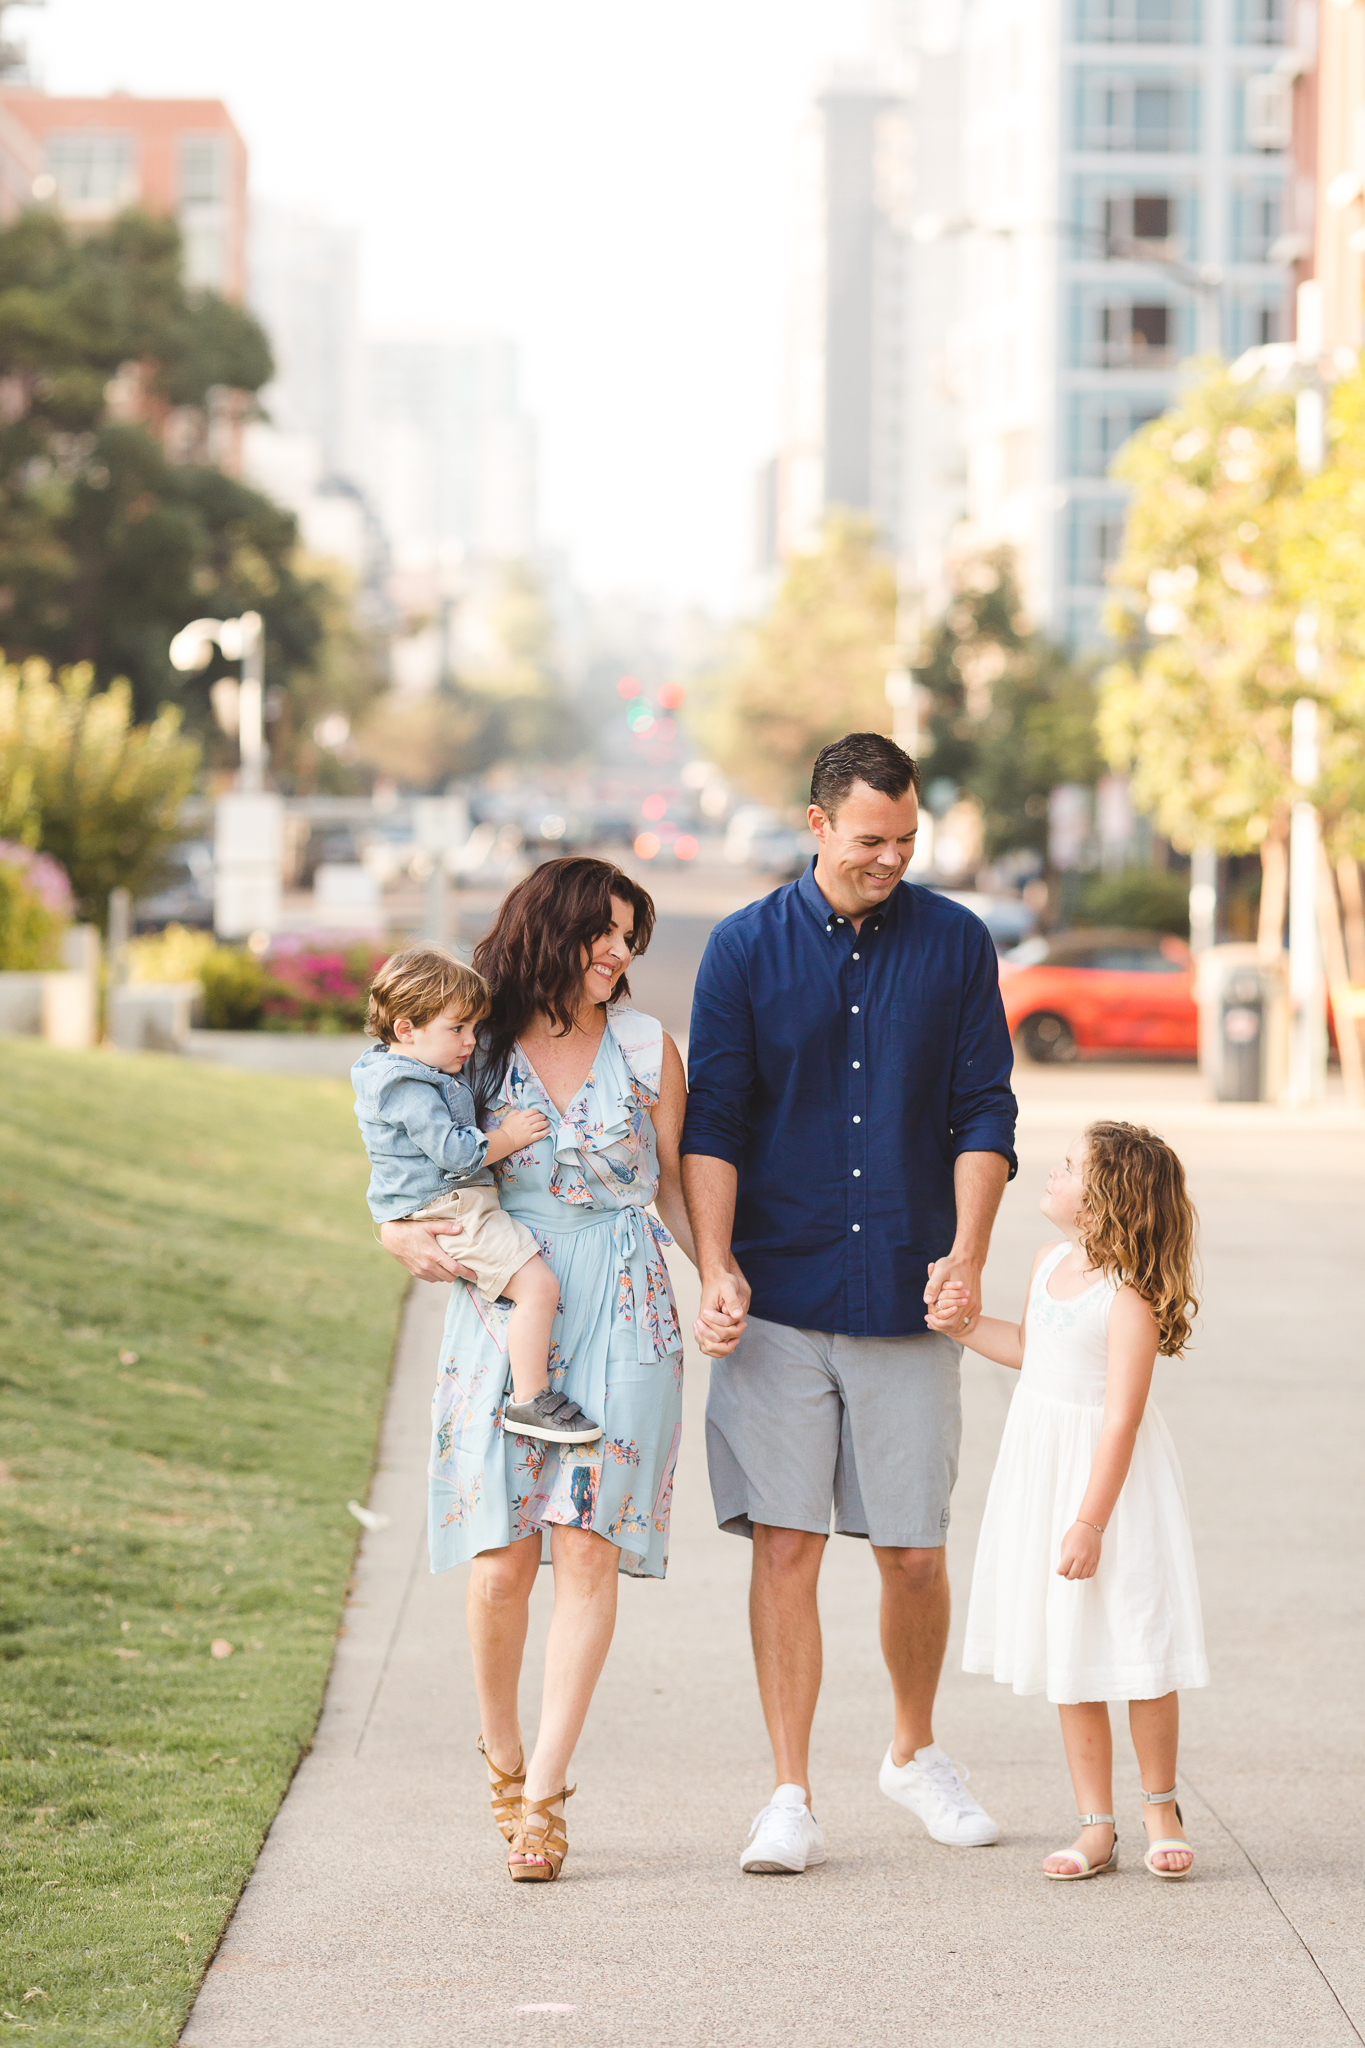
[{"x": 379, "y": 1915}]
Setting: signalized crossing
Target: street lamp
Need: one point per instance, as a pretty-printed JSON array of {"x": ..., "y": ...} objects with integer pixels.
[{"x": 241, "y": 639}]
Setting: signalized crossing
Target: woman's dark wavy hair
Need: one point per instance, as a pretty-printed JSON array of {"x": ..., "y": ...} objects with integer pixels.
[{"x": 532, "y": 959}]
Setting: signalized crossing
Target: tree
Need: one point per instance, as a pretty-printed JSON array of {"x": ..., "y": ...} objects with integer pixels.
[
  {"x": 510, "y": 706},
  {"x": 1011, "y": 715},
  {"x": 814, "y": 668},
  {"x": 80, "y": 781},
  {"x": 1198, "y": 707},
  {"x": 1229, "y": 551},
  {"x": 107, "y": 546}
]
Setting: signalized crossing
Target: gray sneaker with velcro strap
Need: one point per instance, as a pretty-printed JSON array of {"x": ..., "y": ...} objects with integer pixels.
[{"x": 551, "y": 1417}]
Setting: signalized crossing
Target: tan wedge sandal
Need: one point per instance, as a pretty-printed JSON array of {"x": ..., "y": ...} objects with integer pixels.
[
  {"x": 541, "y": 1833},
  {"x": 505, "y": 1790}
]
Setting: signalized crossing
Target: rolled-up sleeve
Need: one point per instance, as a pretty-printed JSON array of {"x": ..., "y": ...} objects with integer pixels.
[
  {"x": 981, "y": 1107},
  {"x": 415, "y": 1107},
  {"x": 721, "y": 1057}
]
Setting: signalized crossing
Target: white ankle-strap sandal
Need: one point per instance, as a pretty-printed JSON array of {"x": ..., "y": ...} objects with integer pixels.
[
  {"x": 1170, "y": 1841},
  {"x": 1085, "y": 1868}
]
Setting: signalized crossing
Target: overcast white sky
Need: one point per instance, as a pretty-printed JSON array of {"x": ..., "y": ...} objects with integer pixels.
[{"x": 609, "y": 181}]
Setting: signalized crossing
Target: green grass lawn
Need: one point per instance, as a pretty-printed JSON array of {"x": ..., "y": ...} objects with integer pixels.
[{"x": 195, "y": 1332}]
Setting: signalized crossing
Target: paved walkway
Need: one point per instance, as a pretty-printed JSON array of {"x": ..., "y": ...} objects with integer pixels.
[{"x": 379, "y": 1915}]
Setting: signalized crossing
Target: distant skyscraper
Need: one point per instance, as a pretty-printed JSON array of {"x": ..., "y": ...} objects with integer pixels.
[
  {"x": 449, "y": 455},
  {"x": 842, "y": 424},
  {"x": 304, "y": 290},
  {"x": 1126, "y": 178}
]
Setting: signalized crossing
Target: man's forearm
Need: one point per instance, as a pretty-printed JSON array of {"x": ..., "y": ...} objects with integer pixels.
[
  {"x": 709, "y": 1190},
  {"x": 979, "y": 1180}
]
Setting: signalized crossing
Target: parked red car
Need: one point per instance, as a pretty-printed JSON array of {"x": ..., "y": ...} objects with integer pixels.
[{"x": 1082, "y": 992}]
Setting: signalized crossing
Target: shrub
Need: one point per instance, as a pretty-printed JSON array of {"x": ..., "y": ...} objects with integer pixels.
[
  {"x": 1149, "y": 899},
  {"x": 35, "y": 907},
  {"x": 316, "y": 990},
  {"x": 176, "y": 954},
  {"x": 236, "y": 989},
  {"x": 84, "y": 782}
]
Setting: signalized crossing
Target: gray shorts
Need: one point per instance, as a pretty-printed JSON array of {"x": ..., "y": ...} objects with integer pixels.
[{"x": 797, "y": 1422}]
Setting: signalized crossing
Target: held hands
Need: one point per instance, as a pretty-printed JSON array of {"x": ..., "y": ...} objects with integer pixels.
[
  {"x": 1080, "y": 1552},
  {"x": 953, "y": 1295},
  {"x": 724, "y": 1307}
]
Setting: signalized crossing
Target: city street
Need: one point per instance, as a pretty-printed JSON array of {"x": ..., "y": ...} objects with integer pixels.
[{"x": 380, "y": 1912}]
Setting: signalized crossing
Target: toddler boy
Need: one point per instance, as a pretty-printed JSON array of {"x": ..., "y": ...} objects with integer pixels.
[{"x": 428, "y": 1157}]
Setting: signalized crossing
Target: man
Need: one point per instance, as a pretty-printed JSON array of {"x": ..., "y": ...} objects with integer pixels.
[{"x": 849, "y": 1129}]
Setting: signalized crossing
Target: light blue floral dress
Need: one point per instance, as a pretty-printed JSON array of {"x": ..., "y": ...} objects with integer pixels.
[{"x": 615, "y": 1346}]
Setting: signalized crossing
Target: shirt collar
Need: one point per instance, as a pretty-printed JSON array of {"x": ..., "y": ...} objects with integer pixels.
[{"x": 808, "y": 889}]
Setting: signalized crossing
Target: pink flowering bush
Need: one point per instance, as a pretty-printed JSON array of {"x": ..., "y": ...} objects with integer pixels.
[{"x": 320, "y": 988}]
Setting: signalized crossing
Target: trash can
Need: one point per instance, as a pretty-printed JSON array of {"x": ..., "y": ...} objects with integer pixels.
[{"x": 1241, "y": 1023}]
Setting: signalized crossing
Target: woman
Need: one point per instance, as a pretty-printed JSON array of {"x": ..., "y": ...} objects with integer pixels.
[{"x": 562, "y": 1039}]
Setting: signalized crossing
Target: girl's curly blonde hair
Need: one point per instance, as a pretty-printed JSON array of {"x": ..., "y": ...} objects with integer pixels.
[{"x": 1138, "y": 1224}]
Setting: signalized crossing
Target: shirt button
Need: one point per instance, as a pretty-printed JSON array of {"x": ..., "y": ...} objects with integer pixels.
[
  {"x": 857, "y": 1226},
  {"x": 838, "y": 920},
  {"x": 857, "y": 1063},
  {"x": 857, "y": 1173},
  {"x": 857, "y": 1119},
  {"x": 855, "y": 1009},
  {"x": 857, "y": 956}
]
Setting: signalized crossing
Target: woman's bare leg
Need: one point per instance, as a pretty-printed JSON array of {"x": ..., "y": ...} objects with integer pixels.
[
  {"x": 496, "y": 1604},
  {"x": 1090, "y": 1759},
  {"x": 1155, "y": 1729},
  {"x": 586, "y": 1569}
]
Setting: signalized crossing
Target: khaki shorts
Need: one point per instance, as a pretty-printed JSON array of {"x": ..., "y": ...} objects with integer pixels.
[{"x": 491, "y": 1243}]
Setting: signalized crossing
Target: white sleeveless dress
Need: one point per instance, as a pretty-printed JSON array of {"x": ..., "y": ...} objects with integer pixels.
[{"x": 1134, "y": 1631}]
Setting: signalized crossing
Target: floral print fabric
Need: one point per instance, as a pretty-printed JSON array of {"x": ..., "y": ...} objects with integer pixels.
[{"x": 616, "y": 1348}]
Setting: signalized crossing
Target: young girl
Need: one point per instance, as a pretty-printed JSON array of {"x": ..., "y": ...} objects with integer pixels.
[{"x": 1085, "y": 1586}]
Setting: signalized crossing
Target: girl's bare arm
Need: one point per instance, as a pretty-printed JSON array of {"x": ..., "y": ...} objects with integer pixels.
[
  {"x": 991, "y": 1336},
  {"x": 667, "y": 1118},
  {"x": 1133, "y": 1338}
]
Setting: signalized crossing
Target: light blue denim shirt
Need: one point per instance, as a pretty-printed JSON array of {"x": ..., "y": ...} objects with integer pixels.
[{"x": 419, "y": 1130}]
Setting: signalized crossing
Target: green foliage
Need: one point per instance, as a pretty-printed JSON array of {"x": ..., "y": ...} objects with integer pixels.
[
  {"x": 1145, "y": 899},
  {"x": 30, "y": 931},
  {"x": 175, "y": 953},
  {"x": 188, "y": 1406},
  {"x": 511, "y": 708},
  {"x": 1227, "y": 543},
  {"x": 108, "y": 547},
  {"x": 1011, "y": 716},
  {"x": 80, "y": 780},
  {"x": 346, "y": 674},
  {"x": 236, "y": 988},
  {"x": 812, "y": 669}
]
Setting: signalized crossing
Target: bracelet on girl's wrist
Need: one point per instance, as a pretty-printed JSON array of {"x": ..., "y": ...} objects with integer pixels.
[{"x": 1098, "y": 1527}]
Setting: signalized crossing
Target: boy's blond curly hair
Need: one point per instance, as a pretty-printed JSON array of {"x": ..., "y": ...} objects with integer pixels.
[{"x": 417, "y": 984}]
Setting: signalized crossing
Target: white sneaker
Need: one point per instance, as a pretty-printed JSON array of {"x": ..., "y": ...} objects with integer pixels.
[
  {"x": 933, "y": 1786},
  {"x": 784, "y": 1837}
]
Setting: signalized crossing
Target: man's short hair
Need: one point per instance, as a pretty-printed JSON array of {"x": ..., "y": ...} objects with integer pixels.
[
  {"x": 417, "y": 984},
  {"x": 868, "y": 757}
]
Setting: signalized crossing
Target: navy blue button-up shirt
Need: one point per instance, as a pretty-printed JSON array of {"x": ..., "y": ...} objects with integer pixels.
[{"x": 842, "y": 1072}]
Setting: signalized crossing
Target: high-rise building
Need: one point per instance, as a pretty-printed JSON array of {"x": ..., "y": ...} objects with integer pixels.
[
  {"x": 842, "y": 426},
  {"x": 449, "y": 455},
  {"x": 303, "y": 287},
  {"x": 178, "y": 157},
  {"x": 1329, "y": 136},
  {"x": 1127, "y": 188}
]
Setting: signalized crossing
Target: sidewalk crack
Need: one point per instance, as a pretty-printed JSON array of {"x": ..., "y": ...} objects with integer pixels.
[{"x": 1265, "y": 1885}]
